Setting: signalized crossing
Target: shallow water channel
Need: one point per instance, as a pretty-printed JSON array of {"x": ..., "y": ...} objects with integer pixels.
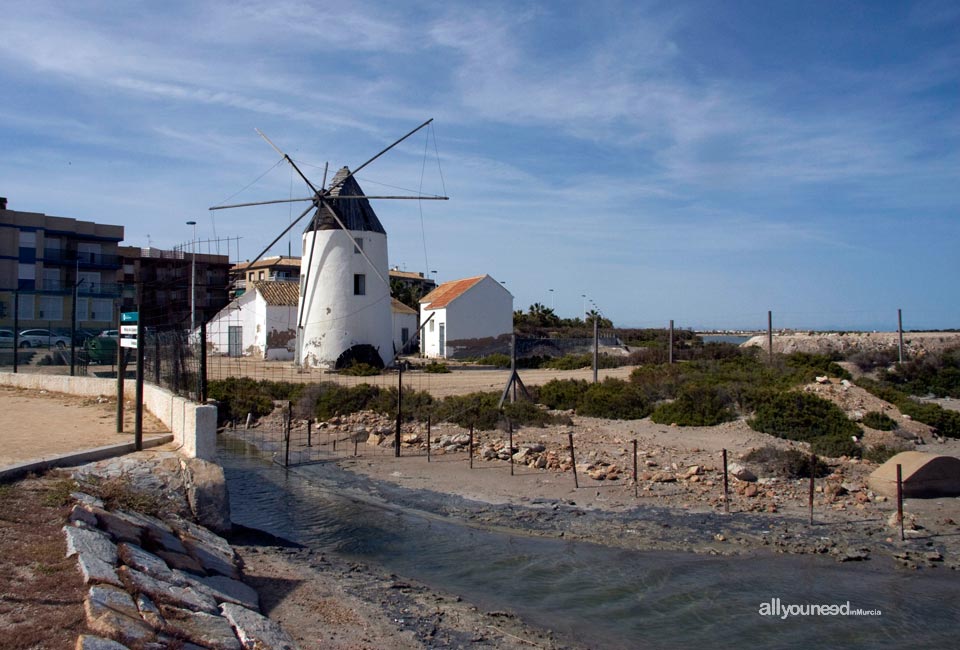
[{"x": 595, "y": 595}]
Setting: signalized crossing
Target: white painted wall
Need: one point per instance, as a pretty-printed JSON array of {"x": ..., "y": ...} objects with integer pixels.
[
  {"x": 240, "y": 312},
  {"x": 400, "y": 321},
  {"x": 334, "y": 318},
  {"x": 484, "y": 310}
]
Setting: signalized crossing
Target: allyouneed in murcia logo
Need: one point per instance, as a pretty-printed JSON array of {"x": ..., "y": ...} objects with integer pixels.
[{"x": 776, "y": 608}]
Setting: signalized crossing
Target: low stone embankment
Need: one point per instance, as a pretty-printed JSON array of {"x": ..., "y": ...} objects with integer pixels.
[
  {"x": 160, "y": 582},
  {"x": 915, "y": 343}
]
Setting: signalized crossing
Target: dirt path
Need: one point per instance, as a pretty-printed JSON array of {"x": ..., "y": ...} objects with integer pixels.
[{"x": 37, "y": 424}]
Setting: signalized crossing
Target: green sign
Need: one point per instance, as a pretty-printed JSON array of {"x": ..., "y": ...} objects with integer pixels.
[{"x": 129, "y": 316}]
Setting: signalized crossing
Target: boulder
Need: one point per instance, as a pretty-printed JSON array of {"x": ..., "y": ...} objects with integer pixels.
[
  {"x": 256, "y": 631},
  {"x": 207, "y": 495},
  {"x": 741, "y": 473},
  {"x": 206, "y": 630},
  {"x": 111, "y": 612}
]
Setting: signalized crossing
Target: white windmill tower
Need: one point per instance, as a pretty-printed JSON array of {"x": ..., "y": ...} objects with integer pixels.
[{"x": 344, "y": 311}]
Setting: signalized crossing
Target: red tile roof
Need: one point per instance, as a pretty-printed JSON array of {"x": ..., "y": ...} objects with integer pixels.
[
  {"x": 448, "y": 292},
  {"x": 277, "y": 293},
  {"x": 400, "y": 308}
]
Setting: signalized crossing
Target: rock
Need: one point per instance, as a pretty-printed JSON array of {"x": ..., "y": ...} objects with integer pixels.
[
  {"x": 855, "y": 555},
  {"x": 166, "y": 593},
  {"x": 256, "y": 631},
  {"x": 206, "y": 630},
  {"x": 87, "y": 500},
  {"x": 541, "y": 462},
  {"x": 89, "y": 642},
  {"x": 96, "y": 555},
  {"x": 823, "y": 380},
  {"x": 521, "y": 456},
  {"x": 212, "y": 560},
  {"x": 488, "y": 452},
  {"x": 207, "y": 495},
  {"x": 460, "y": 439},
  {"x": 150, "y": 612},
  {"x": 145, "y": 562},
  {"x": 181, "y": 561},
  {"x": 111, "y": 612},
  {"x": 117, "y": 526},
  {"x": 693, "y": 470},
  {"x": 663, "y": 477},
  {"x": 750, "y": 490},
  {"x": 410, "y": 438},
  {"x": 79, "y": 513},
  {"x": 225, "y": 590},
  {"x": 933, "y": 556},
  {"x": 535, "y": 447},
  {"x": 650, "y": 463},
  {"x": 741, "y": 473},
  {"x": 374, "y": 439}
]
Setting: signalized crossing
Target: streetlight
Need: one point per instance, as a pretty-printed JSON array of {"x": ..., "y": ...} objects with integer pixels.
[
  {"x": 584, "y": 301},
  {"x": 551, "y": 299},
  {"x": 193, "y": 278}
]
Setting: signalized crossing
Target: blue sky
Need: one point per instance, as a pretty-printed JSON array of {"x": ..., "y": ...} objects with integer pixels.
[{"x": 697, "y": 161}]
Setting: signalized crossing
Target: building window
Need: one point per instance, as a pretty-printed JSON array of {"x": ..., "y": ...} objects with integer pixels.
[
  {"x": 431, "y": 325},
  {"x": 404, "y": 334},
  {"x": 26, "y": 276},
  {"x": 25, "y": 311},
  {"x": 261, "y": 276},
  {"x": 359, "y": 284},
  {"x": 51, "y": 307},
  {"x": 101, "y": 310},
  {"x": 359, "y": 246}
]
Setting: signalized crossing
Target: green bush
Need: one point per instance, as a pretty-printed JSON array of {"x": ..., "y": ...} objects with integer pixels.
[
  {"x": 879, "y": 421},
  {"x": 936, "y": 373},
  {"x": 335, "y": 399},
  {"x": 695, "y": 406},
  {"x": 360, "y": 370},
  {"x": 561, "y": 394},
  {"x": 615, "y": 399},
  {"x": 786, "y": 463},
  {"x": 835, "y": 446},
  {"x": 808, "y": 418},
  {"x": 880, "y": 454},
  {"x": 498, "y": 360},
  {"x": 947, "y": 423},
  {"x": 238, "y": 396},
  {"x": 435, "y": 367}
]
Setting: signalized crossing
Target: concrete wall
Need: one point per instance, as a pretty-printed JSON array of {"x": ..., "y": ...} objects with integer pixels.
[{"x": 194, "y": 426}]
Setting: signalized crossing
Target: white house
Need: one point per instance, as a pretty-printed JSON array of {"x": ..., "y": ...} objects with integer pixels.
[
  {"x": 464, "y": 314},
  {"x": 404, "y": 326},
  {"x": 260, "y": 323}
]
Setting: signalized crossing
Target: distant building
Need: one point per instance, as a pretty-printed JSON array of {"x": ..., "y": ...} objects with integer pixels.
[
  {"x": 404, "y": 327},
  {"x": 166, "y": 286},
  {"x": 42, "y": 257},
  {"x": 465, "y": 316},
  {"x": 277, "y": 268},
  {"x": 415, "y": 280}
]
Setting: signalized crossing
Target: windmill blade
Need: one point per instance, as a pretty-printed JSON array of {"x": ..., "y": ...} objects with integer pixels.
[
  {"x": 355, "y": 171},
  {"x": 280, "y": 236},
  {"x": 431, "y": 197}
]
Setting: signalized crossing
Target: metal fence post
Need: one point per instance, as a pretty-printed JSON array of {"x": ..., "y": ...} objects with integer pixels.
[
  {"x": 573, "y": 461},
  {"x": 726, "y": 500}
]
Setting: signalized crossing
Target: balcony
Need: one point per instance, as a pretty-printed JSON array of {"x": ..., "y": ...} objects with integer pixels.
[
  {"x": 86, "y": 260},
  {"x": 97, "y": 289}
]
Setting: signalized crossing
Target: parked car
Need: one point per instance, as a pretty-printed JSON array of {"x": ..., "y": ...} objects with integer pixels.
[
  {"x": 6, "y": 338},
  {"x": 110, "y": 334},
  {"x": 43, "y": 339}
]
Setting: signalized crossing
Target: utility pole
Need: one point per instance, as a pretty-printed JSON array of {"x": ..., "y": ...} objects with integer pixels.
[
  {"x": 193, "y": 278},
  {"x": 900, "y": 334},
  {"x": 770, "y": 334},
  {"x": 73, "y": 320}
]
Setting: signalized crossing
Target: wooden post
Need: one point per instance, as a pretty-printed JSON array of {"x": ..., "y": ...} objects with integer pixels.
[
  {"x": 513, "y": 367},
  {"x": 396, "y": 437},
  {"x": 900, "y": 498},
  {"x": 770, "y": 334},
  {"x": 813, "y": 478},
  {"x": 670, "y": 342},
  {"x": 121, "y": 372},
  {"x": 470, "y": 448},
  {"x": 428, "y": 438},
  {"x": 900, "y": 334},
  {"x": 510, "y": 433},
  {"x": 309, "y": 432},
  {"x": 202, "y": 371},
  {"x": 16, "y": 329},
  {"x": 286, "y": 437},
  {"x": 636, "y": 489},
  {"x": 355, "y": 442},
  {"x": 138, "y": 420},
  {"x": 726, "y": 505},
  {"x": 573, "y": 460}
]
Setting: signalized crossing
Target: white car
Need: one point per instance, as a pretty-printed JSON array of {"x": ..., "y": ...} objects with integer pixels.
[
  {"x": 43, "y": 339},
  {"x": 6, "y": 339}
]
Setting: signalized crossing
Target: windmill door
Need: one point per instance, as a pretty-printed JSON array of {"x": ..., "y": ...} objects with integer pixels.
[
  {"x": 443, "y": 340},
  {"x": 234, "y": 341}
]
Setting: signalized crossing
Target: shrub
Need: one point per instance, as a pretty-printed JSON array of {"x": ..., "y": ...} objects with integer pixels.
[
  {"x": 835, "y": 446},
  {"x": 869, "y": 360},
  {"x": 947, "y": 423},
  {"x": 343, "y": 400},
  {"x": 436, "y": 367},
  {"x": 360, "y": 369},
  {"x": 561, "y": 394},
  {"x": 695, "y": 406},
  {"x": 477, "y": 409},
  {"x": 880, "y": 421},
  {"x": 786, "y": 463},
  {"x": 880, "y": 454},
  {"x": 615, "y": 399},
  {"x": 804, "y": 417},
  {"x": 238, "y": 396},
  {"x": 498, "y": 360}
]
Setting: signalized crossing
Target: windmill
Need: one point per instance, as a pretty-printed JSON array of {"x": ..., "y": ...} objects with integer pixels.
[{"x": 344, "y": 312}]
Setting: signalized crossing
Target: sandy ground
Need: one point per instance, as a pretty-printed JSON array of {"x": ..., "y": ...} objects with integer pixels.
[{"x": 37, "y": 424}]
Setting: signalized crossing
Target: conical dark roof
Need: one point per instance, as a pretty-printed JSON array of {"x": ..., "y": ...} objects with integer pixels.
[{"x": 356, "y": 214}]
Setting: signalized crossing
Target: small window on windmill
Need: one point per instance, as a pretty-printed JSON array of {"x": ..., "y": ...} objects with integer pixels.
[
  {"x": 359, "y": 284},
  {"x": 431, "y": 326},
  {"x": 359, "y": 246}
]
